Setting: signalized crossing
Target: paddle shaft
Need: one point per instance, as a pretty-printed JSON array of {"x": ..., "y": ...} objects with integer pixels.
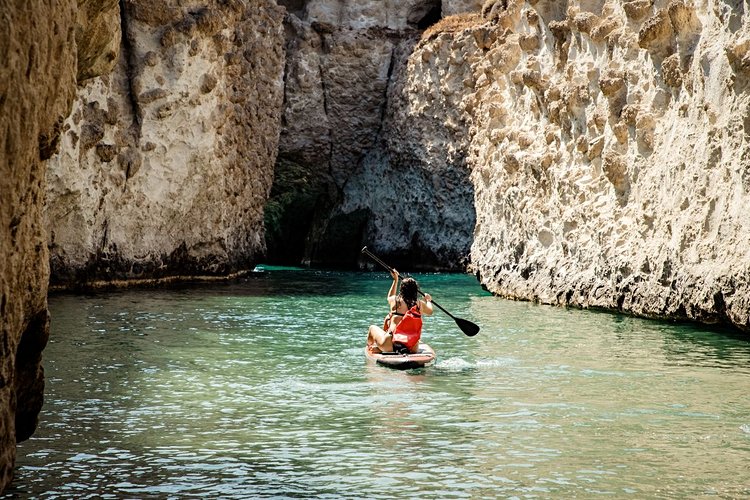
[
  {"x": 377, "y": 259},
  {"x": 470, "y": 329}
]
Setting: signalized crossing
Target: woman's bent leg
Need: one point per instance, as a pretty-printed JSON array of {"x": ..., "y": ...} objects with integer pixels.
[{"x": 380, "y": 338}]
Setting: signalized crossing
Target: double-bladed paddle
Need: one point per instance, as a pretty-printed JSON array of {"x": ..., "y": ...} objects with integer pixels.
[{"x": 466, "y": 326}]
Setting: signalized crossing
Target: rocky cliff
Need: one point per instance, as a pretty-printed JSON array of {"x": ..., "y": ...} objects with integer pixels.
[
  {"x": 587, "y": 153},
  {"x": 161, "y": 169},
  {"x": 345, "y": 174},
  {"x": 44, "y": 48},
  {"x": 166, "y": 164},
  {"x": 608, "y": 149}
]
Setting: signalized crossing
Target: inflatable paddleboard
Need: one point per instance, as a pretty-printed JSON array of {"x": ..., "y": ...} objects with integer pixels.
[{"x": 423, "y": 357}]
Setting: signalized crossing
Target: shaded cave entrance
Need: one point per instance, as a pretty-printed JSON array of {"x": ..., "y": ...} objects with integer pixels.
[
  {"x": 299, "y": 226},
  {"x": 296, "y": 7},
  {"x": 307, "y": 224},
  {"x": 425, "y": 14}
]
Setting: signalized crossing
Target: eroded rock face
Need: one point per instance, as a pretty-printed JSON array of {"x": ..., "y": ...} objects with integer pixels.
[
  {"x": 415, "y": 183},
  {"x": 97, "y": 37},
  {"x": 608, "y": 146},
  {"x": 39, "y": 50},
  {"x": 345, "y": 175},
  {"x": 338, "y": 14},
  {"x": 166, "y": 164}
]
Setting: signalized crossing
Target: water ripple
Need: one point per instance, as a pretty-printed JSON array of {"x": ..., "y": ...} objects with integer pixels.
[{"x": 260, "y": 389}]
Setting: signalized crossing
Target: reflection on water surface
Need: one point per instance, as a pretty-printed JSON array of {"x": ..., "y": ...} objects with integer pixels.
[{"x": 259, "y": 388}]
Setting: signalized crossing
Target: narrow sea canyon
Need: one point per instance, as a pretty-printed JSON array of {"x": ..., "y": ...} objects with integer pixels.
[{"x": 586, "y": 154}]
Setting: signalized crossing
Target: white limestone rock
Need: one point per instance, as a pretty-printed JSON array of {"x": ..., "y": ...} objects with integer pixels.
[
  {"x": 167, "y": 163},
  {"x": 608, "y": 158}
]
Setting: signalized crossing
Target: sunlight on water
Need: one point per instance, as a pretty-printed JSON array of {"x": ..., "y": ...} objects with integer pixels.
[{"x": 260, "y": 388}]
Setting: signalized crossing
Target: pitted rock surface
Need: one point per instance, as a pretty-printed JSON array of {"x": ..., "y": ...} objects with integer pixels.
[{"x": 166, "y": 163}]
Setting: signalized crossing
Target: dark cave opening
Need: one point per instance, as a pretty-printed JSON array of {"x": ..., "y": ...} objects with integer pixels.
[
  {"x": 425, "y": 14},
  {"x": 434, "y": 15},
  {"x": 296, "y": 7}
]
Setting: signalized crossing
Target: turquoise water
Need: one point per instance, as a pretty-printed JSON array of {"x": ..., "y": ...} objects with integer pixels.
[{"x": 260, "y": 389}]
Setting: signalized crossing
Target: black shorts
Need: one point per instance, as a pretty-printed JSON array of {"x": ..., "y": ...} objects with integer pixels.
[{"x": 400, "y": 348}]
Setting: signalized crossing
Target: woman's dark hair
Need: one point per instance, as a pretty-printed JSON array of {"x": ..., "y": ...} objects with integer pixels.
[{"x": 408, "y": 292}]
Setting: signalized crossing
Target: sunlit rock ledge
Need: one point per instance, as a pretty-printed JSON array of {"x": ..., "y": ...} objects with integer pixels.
[{"x": 608, "y": 148}]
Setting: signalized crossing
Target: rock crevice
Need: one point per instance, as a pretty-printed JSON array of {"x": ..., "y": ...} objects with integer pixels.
[{"x": 338, "y": 128}]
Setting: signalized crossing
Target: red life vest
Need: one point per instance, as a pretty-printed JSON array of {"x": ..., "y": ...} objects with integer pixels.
[
  {"x": 409, "y": 329},
  {"x": 387, "y": 321}
]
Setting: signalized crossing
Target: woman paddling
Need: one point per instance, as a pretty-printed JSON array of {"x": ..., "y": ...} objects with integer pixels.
[{"x": 402, "y": 328}]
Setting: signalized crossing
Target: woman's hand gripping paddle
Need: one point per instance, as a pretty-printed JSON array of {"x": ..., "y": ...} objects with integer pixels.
[{"x": 466, "y": 326}]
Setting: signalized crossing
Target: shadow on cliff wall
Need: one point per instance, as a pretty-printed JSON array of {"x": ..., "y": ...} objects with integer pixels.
[{"x": 347, "y": 174}]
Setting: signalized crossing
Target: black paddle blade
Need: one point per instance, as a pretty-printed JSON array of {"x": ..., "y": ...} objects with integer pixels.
[{"x": 466, "y": 326}]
